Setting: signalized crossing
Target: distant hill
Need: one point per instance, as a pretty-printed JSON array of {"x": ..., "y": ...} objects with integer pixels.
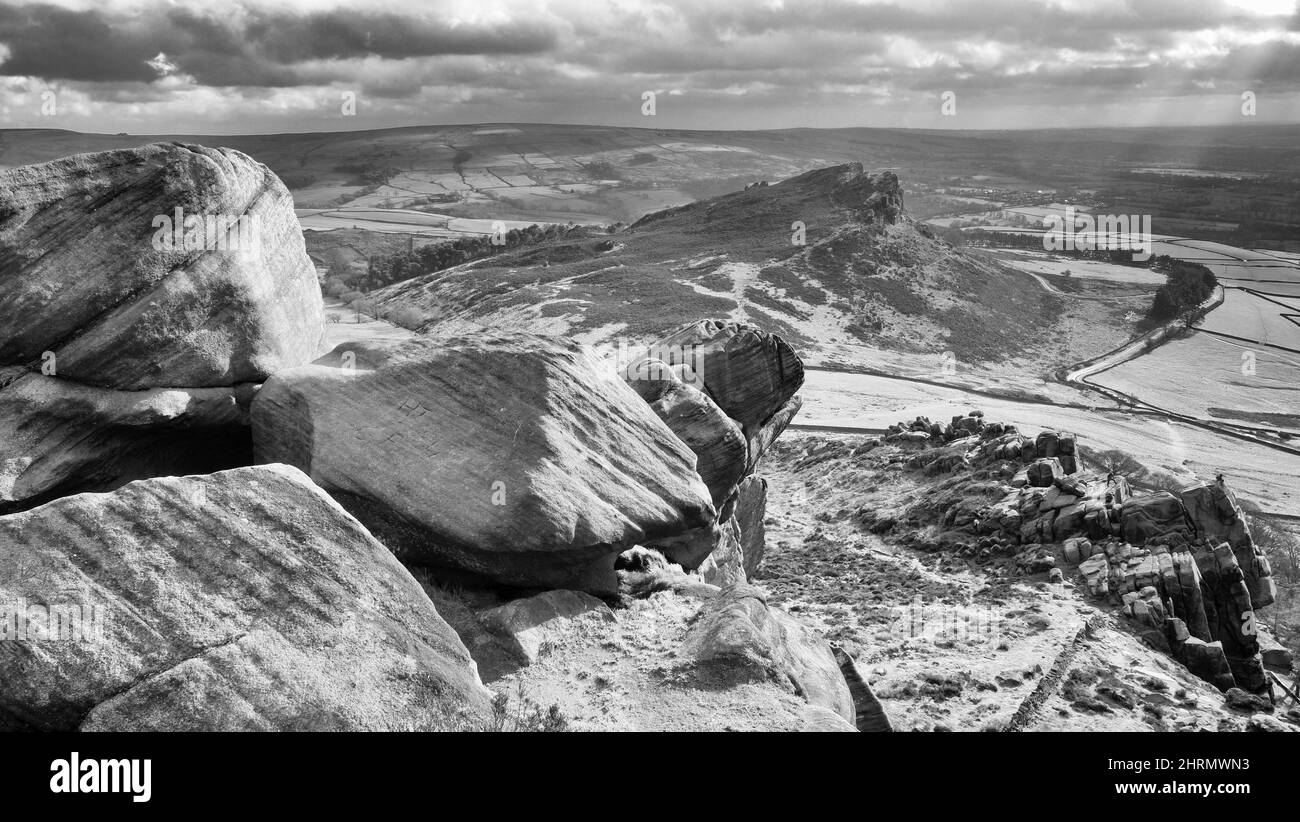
[
  {"x": 866, "y": 281},
  {"x": 560, "y": 173}
]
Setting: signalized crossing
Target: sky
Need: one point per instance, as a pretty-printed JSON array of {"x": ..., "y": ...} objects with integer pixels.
[{"x": 264, "y": 66}]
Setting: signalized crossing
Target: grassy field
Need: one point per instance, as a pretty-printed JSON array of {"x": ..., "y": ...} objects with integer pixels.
[{"x": 1203, "y": 375}]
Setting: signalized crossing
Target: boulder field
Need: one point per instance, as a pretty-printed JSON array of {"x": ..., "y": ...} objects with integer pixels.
[
  {"x": 205, "y": 524},
  {"x": 143, "y": 293},
  {"x": 516, "y": 458}
]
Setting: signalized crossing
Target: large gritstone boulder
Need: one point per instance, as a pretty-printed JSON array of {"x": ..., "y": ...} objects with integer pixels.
[
  {"x": 871, "y": 716},
  {"x": 749, "y": 373},
  {"x": 162, "y": 266},
  {"x": 520, "y": 458},
  {"x": 149, "y": 331},
  {"x": 242, "y": 600},
  {"x": 57, "y": 435},
  {"x": 716, "y": 439},
  {"x": 749, "y": 379},
  {"x": 739, "y": 631}
]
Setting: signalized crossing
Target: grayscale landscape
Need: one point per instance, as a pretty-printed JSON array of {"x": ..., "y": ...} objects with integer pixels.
[{"x": 316, "y": 417}]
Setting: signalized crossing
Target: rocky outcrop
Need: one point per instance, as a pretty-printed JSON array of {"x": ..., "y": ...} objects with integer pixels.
[
  {"x": 56, "y": 434},
  {"x": 725, "y": 563},
  {"x": 749, "y": 373},
  {"x": 717, "y": 441},
  {"x": 875, "y": 196},
  {"x": 749, "y": 379},
  {"x": 90, "y": 270},
  {"x": 241, "y": 600},
  {"x": 149, "y": 332},
  {"x": 1217, "y": 517},
  {"x": 1183, "y": 567},
  {"x": 816, "y": 719},
  {"x": 516, "y": 458},
  {"x": 738, "y": 630}
]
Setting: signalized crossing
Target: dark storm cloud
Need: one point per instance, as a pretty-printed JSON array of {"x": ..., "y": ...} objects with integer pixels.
[
  {"x": 256, "y": 48},
  {"x": 495, "y": 59},
  {"x": 54, "y": 43}
]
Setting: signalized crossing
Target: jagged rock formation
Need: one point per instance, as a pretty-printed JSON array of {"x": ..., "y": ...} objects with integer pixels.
[
  {"x": 874, "y": 197},
  {"x": 146, "y": 347},
  {"x": 518, "y": 459},
  {"x": 1216, "y": 516},
  {"x": 749, "y": 379},
  {"x": 751, "y": 507},
  {"x": 717, "y": 440},
  {"x": 241, "y": 600},
  {"x": 1182, "y": 566},
  {"x": 749, "y": 373}
]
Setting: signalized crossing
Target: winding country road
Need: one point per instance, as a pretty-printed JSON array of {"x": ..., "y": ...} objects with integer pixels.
[{"x": 1260, "y": 463}]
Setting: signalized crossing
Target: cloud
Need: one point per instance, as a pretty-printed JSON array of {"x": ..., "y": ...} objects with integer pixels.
[{"x": 754, "y": 63}]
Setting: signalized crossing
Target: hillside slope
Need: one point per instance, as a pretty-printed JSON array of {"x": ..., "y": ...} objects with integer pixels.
[{"x": 828, "y": 259}]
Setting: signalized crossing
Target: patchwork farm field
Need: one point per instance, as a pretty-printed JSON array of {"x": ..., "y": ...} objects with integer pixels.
[
  {"x": 1036, "y": 262},
  {"x": 1265, "y": 318},
  {"x": 1215, "y": 378}
]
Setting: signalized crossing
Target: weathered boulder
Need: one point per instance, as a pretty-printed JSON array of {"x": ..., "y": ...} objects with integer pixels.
[
  {"x": 737, "y": 629},
  {"x": 1240, "y": 700},
  {"x": 1207, "y": 661},
  {"x": 749, "y": 373},
  {"x": 1280, "y": 658},
  {"x": 57, "y": 435},
  {"x": 241, "y": 600},
  {"x": 716, "y": 439},
  {"x": 1263, "y": 723},
  {"x": 871, "y": 716},
  {"x": 516, "y": 458},
  {"x": 725, "y": 564},
  {"x": 527, "y": 625},
  {"x": 90, "y": 270},
  {"x": 751, "y": 508},
  {"x": 767, "y": 433},
  {"x": 1044, "y": 472},
  {"x": 1158, "y": 514}
]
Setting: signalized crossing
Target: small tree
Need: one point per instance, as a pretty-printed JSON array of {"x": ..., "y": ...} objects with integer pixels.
[
  {"x": 406, "y": 317},
  {"x": 338, "y": 264}
]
